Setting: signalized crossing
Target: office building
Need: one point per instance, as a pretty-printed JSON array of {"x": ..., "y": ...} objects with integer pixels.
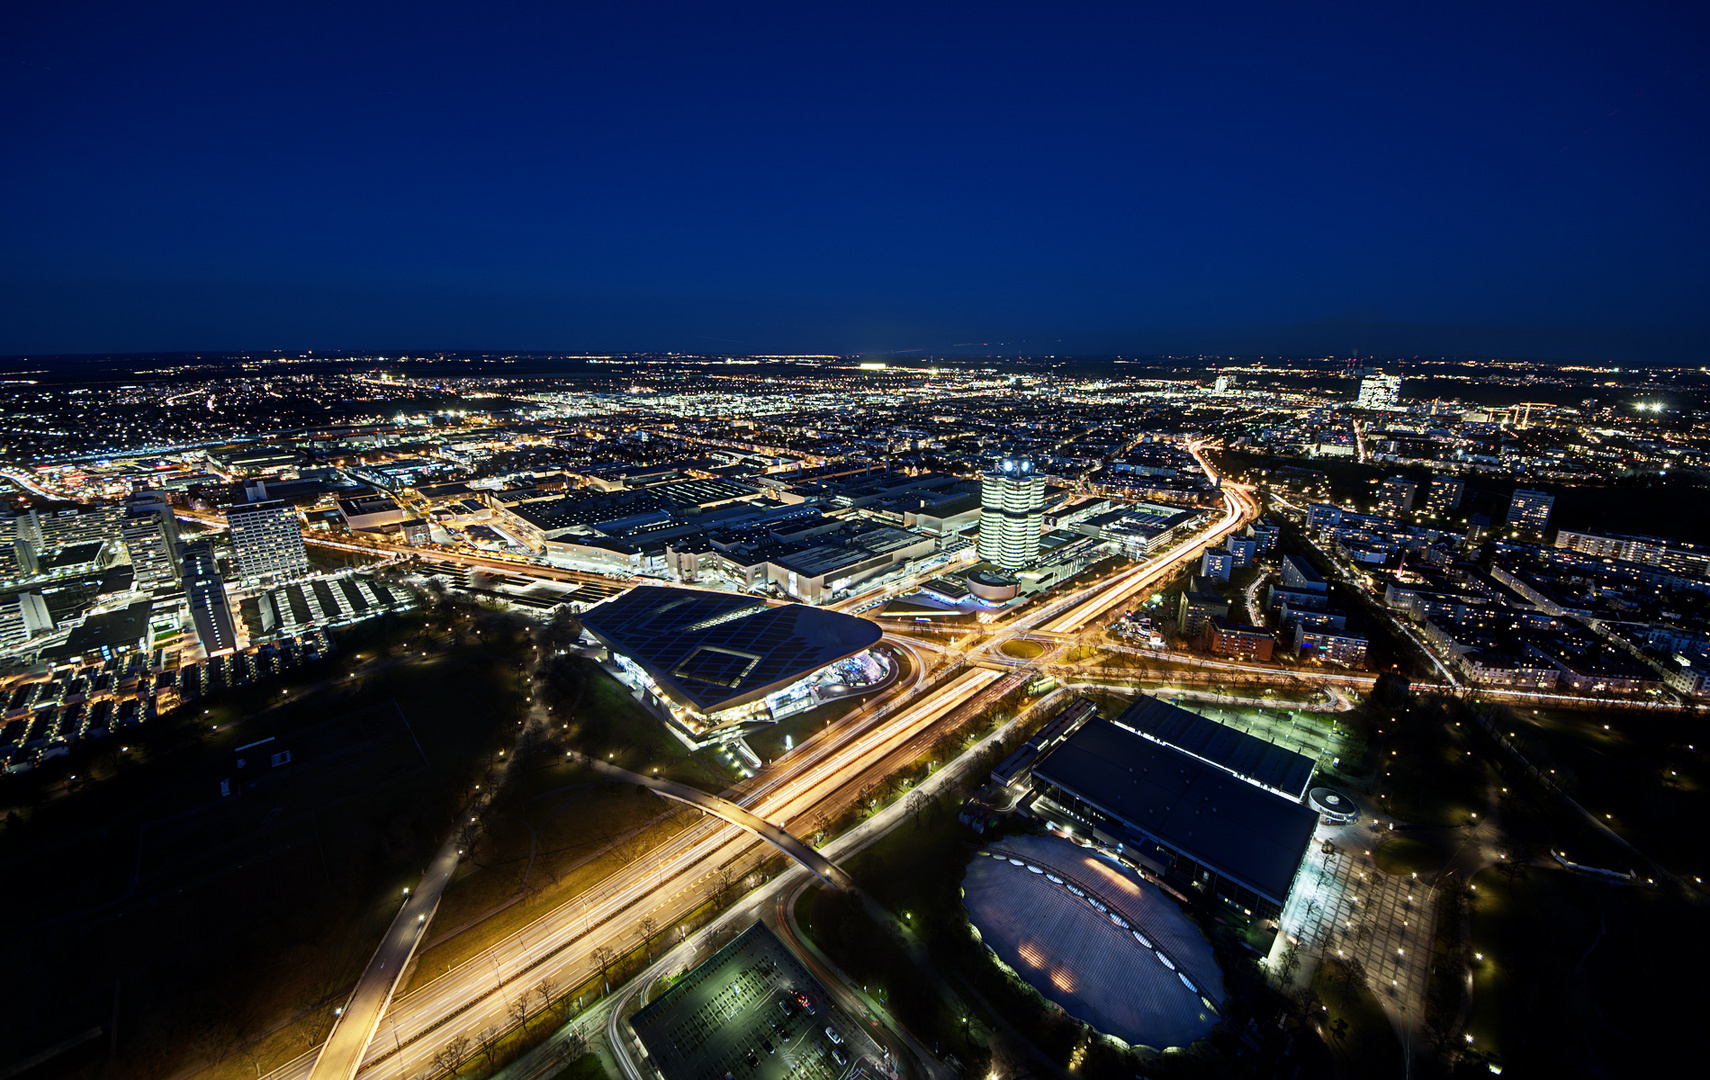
[
  {"x": 150, "y": 536},
  {"x": 1321, "y": 516},
  {"x": 1445, "y": 494},
  {"x": 1012, "y": 500},
  {"x": 210, "y": 613},
  {"x": 23, "y": 615},
  {"x": 266, "y": 542},
  {"x": 1216, "y": 563},
  {"x": 1395, "y": 496},
  {"x": 1529, "y": 511},
  {"x": 1380, "y": 391}
]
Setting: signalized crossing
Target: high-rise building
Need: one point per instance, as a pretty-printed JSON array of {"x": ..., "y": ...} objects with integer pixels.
[
  {"x": 1380, "y": 391},
  {"x": 210, "y": 612},
  {"x": 1244, "y": 548},
  {"x": 1012, "y": 501},
  {"x": 1444, "y": 494},
  {"x": 150, "y": 535},
  {"x": 1396, "y": 494},
  {"x": 1266, "y": 533},
  {"x": 1529, "y": 510},
  {"x": 1216, "y": 563},
  {"x": 266, "y": 541}
]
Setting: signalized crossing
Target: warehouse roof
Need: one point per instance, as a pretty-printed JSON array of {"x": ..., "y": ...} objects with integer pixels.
[{"x": 1241, "y": 830}]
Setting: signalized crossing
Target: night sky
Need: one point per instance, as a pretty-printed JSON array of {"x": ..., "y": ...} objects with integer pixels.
[{"x": 1398, "y": 178}]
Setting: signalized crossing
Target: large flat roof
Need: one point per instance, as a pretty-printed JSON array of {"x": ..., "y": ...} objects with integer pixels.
[
  {"x": 1247, "y": 756},
  {"x": 1241, "y": 830},
  {"x": 710, "y": 651}
]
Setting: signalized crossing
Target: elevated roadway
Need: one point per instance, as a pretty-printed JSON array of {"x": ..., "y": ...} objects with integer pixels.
[{"x": 797, "y": 849}]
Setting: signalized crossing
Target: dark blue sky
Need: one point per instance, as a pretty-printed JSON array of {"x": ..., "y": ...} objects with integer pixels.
[{"x": 1519, "y": 179}]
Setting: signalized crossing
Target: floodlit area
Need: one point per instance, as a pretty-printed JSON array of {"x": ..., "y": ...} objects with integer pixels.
[
  {"x": 750, "y": 1012},
  {"x": 1317, "y": 735},
  {"x": 1110, "y": 949}
]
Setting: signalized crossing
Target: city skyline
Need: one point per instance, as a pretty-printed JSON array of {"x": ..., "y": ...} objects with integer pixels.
[{"x": 878, "y": 542}]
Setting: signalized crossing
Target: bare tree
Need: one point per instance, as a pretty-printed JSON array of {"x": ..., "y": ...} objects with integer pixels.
[
  {"x": 916, "y": 803},
  {"x": 605, "y": 958},
  {"x": 1352, "y": 971},
  {"x": 547, "y": 991},
  {"x": 520, "y": 1012},
  {"x": 649, "y": 927},
  {"x": 488, "y": 1043},
  {"x": 452, "y": 1055}
]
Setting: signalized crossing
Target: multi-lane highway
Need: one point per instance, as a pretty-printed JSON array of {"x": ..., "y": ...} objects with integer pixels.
[
  {"x": 664, "y": 884},
  {"x": 820, "y": 779}
]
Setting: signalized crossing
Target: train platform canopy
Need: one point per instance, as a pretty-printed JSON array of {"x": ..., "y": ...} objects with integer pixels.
[
  {"x": 711, "y": 651},
  {"x": 1251, "y": 758}
]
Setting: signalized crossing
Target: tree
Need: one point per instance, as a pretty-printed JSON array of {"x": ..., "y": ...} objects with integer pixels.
[
  {"x": 916, "y": 803},
  {"x": 649, "y": 926},
  {"x": 546, "y": 990},
  {"x": 1352, "y": 970},
  {"x": 520, "y": 1012},
  {"x": 450, "y": 1057},
  {"x": 605, "y": 958},
  {"x": 488, "y": 1043}
]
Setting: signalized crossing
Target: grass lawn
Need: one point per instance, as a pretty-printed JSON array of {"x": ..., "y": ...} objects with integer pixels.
[
  {"x": 250, "y": 912},
  {"x": 1023, "y": 650},
  {"x": 586, "y": 1067},
  {"x": 1405, "y": 855},
  {"x": 1367, "y": 1045},
  {"x": 769, "y": 742},
  {"x": 1581, "y": 976},
  {"x": 610, "y": 723}
]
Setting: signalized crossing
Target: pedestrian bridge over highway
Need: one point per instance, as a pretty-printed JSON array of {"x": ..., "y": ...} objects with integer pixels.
[{"x": 796, "y": 848}]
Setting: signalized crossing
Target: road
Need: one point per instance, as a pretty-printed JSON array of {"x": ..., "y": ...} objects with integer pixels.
[
  {"x": 820, "y": 779},
  {"x": 357, "y": 1021},
  {"x": 797, "y": 849}
]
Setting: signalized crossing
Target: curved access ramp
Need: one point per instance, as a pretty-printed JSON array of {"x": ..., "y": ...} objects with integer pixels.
[{"x": 797, "y": 849}]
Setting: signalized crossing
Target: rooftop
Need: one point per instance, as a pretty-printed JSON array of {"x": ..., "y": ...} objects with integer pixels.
[
  {"x": 1243, "y": 831},
  {"x": 711, "y": 651},
  {"x": 1247, "y": 756}
]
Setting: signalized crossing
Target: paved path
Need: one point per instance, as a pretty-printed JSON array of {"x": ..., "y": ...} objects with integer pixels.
[
  {"x": 347, "y": 1044},
  {"x": 1350, "y": 908},
  {"x": 357, "y": 1022},
  {"x": 797, "y": 849}
]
